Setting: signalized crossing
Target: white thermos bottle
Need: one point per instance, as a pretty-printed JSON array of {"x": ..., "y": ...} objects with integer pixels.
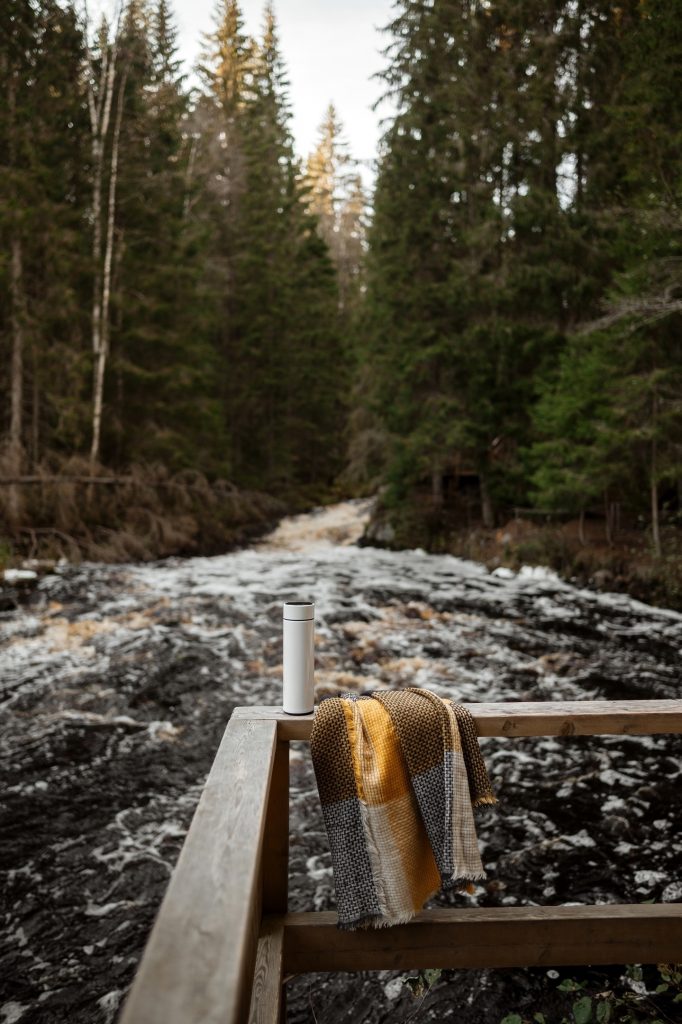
[{"x": 298, "y": 657}]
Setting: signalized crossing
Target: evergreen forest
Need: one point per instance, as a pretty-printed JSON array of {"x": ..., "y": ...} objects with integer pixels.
[{"x": 201, "y": 329}]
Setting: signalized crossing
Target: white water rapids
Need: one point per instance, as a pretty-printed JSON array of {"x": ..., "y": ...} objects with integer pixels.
[{"x": 116, "y": 683}]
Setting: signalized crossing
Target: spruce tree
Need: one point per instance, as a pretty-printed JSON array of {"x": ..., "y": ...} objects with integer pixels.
[
  {"x": 337, "y": 198},
  {"x": 43, "y": 172},
  {"x": 610, "y": 424},
  {"x": 280, "y": 329},
  {"x": 162, "y": 390}
]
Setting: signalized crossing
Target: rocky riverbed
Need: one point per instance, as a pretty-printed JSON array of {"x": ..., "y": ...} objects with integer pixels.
[{"x": 115, "y": 686}]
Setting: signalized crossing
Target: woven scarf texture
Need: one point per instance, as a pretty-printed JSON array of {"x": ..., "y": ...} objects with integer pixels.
[{"x": 398, "y": 773}]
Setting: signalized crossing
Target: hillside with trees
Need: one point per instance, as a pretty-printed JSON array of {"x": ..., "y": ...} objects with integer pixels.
[
  {"x": 201, "y": 330},
  {"x": 170, "y": 313},
  {"x": 523, "y": 276}
]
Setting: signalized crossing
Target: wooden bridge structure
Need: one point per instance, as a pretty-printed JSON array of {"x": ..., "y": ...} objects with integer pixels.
[{"x": 224, "y": 940}]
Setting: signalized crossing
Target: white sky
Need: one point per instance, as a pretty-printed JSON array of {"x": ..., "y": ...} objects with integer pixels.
[{"x": 331, "y": 49}]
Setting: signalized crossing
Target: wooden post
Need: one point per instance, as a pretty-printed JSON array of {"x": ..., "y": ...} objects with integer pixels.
[
  {"x": 267, "y": 995},
  {"x": 268, "y": 998},
  {"x": 276, "y": 847}
]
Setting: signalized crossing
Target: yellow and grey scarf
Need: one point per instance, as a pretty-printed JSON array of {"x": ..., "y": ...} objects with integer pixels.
[{"x": 398, "y": 772}]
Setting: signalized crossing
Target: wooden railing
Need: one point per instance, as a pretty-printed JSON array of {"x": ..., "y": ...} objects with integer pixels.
[{"x": 223, "y": 939}]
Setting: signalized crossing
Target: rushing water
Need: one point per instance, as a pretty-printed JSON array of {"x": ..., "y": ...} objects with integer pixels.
[{"x": 116, "y": 683}]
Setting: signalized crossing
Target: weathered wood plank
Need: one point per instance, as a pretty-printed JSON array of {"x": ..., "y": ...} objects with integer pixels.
[
  {"x": 494, "y": 937},
  {"x": 267, "y": 996},
  {"x": 522, "y": 718},
  {"x": 198, "y": 964},
  {"x": 276, "y": 845}
]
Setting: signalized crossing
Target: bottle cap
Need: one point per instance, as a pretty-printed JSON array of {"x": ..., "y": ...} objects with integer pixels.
[{"x": 298, "y": 611}]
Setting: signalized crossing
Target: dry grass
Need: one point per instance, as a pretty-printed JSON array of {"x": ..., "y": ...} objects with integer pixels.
[{"x": 146, "y": 513}]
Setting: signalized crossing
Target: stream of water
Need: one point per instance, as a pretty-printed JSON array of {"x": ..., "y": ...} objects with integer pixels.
[{"x": 116, "y": 683}]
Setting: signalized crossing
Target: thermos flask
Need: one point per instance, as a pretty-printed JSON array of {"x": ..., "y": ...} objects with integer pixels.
[{"x": 298, "y": 657}]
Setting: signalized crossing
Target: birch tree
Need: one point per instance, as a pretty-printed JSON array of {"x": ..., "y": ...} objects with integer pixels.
[{"x": 102, "y": 88}]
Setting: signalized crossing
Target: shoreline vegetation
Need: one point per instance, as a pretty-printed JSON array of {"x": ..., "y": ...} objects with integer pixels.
[
  {"x": 87, "y": 513},
  {"x": 577, "y": 549},
  {"x": 149, "y": 514}
]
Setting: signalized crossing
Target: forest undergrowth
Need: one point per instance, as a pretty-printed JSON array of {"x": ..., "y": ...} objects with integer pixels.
[
  {"x": 74, "y": 511},
  {"x": 578, "y": 550}
]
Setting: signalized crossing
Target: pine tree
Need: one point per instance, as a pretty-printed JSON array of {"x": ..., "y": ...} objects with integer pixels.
[
  {"x": 19, "y": 44},
  {"x": 44, "y": 167},
  {"x": 279, "y": 326},
  {"x": 337, "y": 198},
  {"x": 434, "y": 229},
  {"x": 610, "y": 425},
  {"x": 482, "y": 251},
  {"x": 162, "y": 388}
]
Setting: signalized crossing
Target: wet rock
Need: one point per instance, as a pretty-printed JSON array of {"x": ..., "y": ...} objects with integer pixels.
[
  {"x": 379, "y": 533},
  {"x": 9, "y": 598}
]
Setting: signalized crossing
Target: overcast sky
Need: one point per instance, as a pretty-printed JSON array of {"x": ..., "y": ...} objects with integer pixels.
[{"x": 331, "y": 48}]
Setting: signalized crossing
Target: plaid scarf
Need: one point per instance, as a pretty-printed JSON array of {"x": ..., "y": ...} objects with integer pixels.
[{"x": 398, "y": 772}]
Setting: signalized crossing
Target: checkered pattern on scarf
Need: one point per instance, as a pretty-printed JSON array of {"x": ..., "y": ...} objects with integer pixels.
[{"x": 398, "y": 772}]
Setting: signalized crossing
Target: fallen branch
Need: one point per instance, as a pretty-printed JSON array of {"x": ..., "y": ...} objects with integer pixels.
[{"x": 104, "y": 481}]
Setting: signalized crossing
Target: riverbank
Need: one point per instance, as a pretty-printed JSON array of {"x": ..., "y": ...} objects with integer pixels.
[
  {"x": 86, "y": 513},
  {"x": 579, "y": 552}
]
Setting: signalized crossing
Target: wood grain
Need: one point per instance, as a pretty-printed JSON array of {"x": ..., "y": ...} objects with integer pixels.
[
  {"x": 276, "y": 847},
  {"x": 267, "y": 997},
  {"x": 538, "y": 718},
  {"x": 199, "y": 961},
  {"x": 490, "y": 937}
]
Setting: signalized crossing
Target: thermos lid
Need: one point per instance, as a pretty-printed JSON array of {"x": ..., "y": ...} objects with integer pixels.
[{"x": 298, "y": 611}]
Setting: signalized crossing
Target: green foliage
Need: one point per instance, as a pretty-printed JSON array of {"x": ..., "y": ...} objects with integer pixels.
[
  {"x": 166, "y": 236},
  {"x": 278, "y": 338},
  {"x": 582, "y": 1010},
  {"x": 421, "y": 983},
  {"x": 523, "y": 275},
  {"x": 630, "y": 1002}
]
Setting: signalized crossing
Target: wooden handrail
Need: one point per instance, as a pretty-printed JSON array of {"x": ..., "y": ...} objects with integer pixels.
[
  {"x": 199, "y": 961},
  {"x": 527, "y": 718},
  {"x": 211, "y": 950}
]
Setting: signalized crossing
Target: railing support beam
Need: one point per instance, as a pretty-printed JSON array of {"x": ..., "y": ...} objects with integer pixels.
[{"x": 477, "y": 937}]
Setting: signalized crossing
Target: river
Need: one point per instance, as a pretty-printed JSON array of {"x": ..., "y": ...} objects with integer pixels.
[{"x": 115, "y": 686}]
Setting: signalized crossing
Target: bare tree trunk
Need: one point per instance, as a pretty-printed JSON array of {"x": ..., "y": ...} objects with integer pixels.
[
  {"x": 189, "y": 172},
  {"x": 581, "y": 527},
  {"x": 17, "y": 320},
  {"x": 16, "y": 370},
  {"x": 487, "y": 511},
  {"x": 102, "y": 353},
  {"x": 655, "y": 524},
  {"x": 607, "y": 511},
  {"x": 437, "y": 487},
  {"x": 100, "y": 102},
  {"x": 100, "y": 113},
  {"x": 35, "y": 409}
]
